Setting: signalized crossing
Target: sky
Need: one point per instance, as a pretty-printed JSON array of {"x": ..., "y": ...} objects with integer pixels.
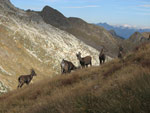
[{"x": 116, "y": 12}]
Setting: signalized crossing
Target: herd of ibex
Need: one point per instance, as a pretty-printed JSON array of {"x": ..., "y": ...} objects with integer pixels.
[{"x": 67, "y": 66}]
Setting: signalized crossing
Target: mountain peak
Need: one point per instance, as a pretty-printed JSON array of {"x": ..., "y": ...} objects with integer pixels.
[
  {"x": 48, "y": 8},
  {"x": 53, "y": 17}
]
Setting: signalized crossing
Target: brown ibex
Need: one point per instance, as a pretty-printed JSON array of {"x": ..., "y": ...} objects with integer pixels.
[
  {"x": 85, "y": 61},
  {"x": 67, "y": 66},
  {"x": 26, "y": 78},
  {"x": 120, "y": 53},
  {"x": 149, "y": 37},
  {"x": 102, "y": 57}
]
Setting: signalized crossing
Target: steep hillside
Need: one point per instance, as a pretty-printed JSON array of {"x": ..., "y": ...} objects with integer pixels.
[
  {"x": 146, "y": 34},
  {"x": 26, "y": 42},
  {"x": 92, "y": 35},
  {"x": 135, "y": 40},
  {"x": 114, "y": 34},
  {"x": 115, "y": 87}
]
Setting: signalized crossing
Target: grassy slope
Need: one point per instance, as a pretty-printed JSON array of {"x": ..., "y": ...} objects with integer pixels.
[
  {"x": 115, "y": 87},
  {"x": 16, "y": 60}
]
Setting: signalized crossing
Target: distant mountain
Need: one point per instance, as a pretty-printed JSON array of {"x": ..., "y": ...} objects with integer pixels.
[{"x": 124, "y": 31}]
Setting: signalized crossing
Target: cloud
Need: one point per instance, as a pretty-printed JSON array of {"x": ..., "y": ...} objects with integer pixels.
[
  {"x": 146, "y": 14},
  {"x": 143, "y": 14},
  {"x": 79, "y": 7},
  {"x": 146, "y": 6}
]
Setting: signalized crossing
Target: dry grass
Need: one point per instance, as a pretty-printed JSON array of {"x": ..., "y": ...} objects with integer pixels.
[{"x": 115, "y": 87}]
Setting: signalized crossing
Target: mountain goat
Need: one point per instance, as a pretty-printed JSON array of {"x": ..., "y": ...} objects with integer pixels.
[
  {"x": 85, "y": 61},
  {"x": 26, "y": 78}
]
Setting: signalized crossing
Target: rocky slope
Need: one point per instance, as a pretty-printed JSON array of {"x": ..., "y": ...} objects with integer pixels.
[
  {"x": 134, "y": 41},
  {"x": 137, "y": 38},
  {"x": 114, "y": 34},
  {"x": 92, "y": 35},
  {"x": 146, "y": 34},
  {"x": 26, "y": 42}
]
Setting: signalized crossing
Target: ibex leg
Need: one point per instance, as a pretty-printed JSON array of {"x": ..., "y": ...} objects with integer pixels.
[
  {"x": 21, "y": 85},
  {"x": 18, "y": 86}
]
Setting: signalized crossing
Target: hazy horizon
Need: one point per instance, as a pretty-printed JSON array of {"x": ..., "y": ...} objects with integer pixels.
[{"x": 114, "y": 12}]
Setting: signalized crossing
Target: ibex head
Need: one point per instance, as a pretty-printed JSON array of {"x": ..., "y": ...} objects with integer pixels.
[
  {"x": 78, "y": 55},
  {"x": 33, "y": 72}
]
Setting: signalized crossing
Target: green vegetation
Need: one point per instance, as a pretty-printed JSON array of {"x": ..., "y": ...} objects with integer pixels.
[{"x": 115, "y": 87}]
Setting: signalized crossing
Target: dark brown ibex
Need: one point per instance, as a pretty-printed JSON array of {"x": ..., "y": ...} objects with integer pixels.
[
  {"x": 120, "y": 53},
  {"x": 67, "y": 66},
  {"x": 84, "y": 61},
  {"x": 26, "y": 78},
  {"x": 102, "y": 57},
  {"x": 149, "y": 37}
]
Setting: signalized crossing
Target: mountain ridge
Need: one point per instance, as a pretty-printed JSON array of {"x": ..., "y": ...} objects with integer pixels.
[
  {"x": 90, "y": 34},
  {"x": 123, "y": 31}
]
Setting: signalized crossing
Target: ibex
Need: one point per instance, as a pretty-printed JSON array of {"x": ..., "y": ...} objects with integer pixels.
[
  {"x": 85, "y": 61},
  {"x": 149, "y": 37},
  {"x": 26, "y": 78},
  {"x": 67, "y": 66},
  {"x": 102, "y": 57},
  {"x": 120, "y": 53}
]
